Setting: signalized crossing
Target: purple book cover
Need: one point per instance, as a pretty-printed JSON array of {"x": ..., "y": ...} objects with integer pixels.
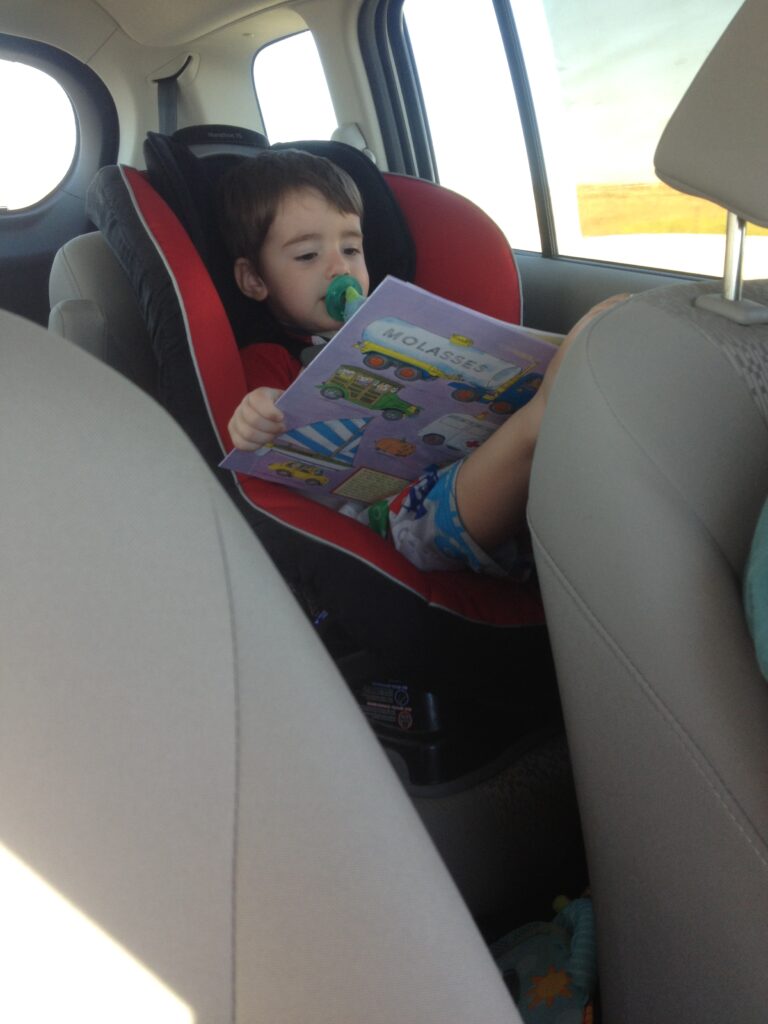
[{"x": 411, "y": 380}]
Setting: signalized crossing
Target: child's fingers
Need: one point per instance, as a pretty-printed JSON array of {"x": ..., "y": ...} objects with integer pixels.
[
  {"x": 249, "y": 435},
  {"x": 260, "y": 404},
  {"x": 256, "y": 420},
  {"x": 248, "y": 439}
]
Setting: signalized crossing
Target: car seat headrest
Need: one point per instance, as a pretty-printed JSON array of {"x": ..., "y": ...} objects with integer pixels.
[
  {"x": 216, "y": 145},
  {"x": 389, "y": 247},
  {"x": 206, "y": 140},
  {"x": 188, "y": 184},
  {"x": 716, "y": 143}
]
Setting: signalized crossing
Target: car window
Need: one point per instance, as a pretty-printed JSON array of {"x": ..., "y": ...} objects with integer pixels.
[
  {"x": 36, "y": 113},
  {"x": 292, "y": 91},
  {"x": 603, "y": 84},
  {"x": 470, "y": 103},
  {"x": 604, "y": 87}
]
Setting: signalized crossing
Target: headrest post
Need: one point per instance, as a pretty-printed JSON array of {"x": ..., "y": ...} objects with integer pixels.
[
  {"x": 729, "y": 303},
  {"x": 735, "y": 234}
]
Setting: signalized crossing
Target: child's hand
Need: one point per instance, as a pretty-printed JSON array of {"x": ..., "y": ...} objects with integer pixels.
[{"x": 257, "y": 420}]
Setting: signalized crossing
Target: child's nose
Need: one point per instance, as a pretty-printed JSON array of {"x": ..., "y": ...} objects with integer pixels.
[{"x": 338, "y": 265}]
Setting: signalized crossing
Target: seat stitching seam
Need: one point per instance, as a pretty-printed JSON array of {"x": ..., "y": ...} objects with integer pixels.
[{"x": 237, "y": 747}]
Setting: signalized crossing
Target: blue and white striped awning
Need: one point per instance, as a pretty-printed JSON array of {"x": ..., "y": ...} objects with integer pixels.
[{"x": 336, "y": 439}]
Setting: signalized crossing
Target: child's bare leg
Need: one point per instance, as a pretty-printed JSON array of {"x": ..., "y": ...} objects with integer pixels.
[{"x": 492, "y": 483}]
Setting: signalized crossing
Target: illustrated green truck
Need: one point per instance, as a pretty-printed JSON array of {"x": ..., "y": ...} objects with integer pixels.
[{"x": 368, "y": 390}]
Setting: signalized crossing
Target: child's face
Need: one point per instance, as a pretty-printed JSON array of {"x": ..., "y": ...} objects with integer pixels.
[{"x": 308, "y": 245}]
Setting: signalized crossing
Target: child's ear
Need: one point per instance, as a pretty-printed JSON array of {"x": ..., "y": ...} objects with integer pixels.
[{"x": 248, "y": 281}]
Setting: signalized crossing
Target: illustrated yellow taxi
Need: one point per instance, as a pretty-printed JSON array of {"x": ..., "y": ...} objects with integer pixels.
[{"x": 300, "y": 471}]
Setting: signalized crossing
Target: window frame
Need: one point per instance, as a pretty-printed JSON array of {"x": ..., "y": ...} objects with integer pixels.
[
  {"x": 402, "y": 114},
  {"x": 403, "y": 119},
  {"x": 22, "y": 168},
  {"x": 396, "y": 93},
  {"x": 97, "y": 127},
  {"x": 265, "y": 46},
  {"x": 30, "y": 237}
]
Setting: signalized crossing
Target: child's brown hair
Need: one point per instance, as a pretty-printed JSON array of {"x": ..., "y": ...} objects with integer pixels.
[{"x": 251, "y": 192}]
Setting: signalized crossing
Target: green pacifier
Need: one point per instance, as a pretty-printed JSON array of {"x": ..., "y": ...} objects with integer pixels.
[{"x": 344, "y": 295}]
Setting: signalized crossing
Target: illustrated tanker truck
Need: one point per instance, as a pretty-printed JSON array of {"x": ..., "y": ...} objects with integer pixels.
[{"x": 414, "y": 353}]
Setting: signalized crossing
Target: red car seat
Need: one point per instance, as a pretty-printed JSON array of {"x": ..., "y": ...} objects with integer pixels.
[{"x": 451, "y": 632}]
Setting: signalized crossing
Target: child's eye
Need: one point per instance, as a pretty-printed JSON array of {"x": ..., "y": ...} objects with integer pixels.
[
  {"x": 306, "y": 257},
  {"x": 352, "y": 250}
]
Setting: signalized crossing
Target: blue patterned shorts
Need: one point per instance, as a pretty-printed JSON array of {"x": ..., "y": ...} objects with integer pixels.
[{"x": 425, "y": 526}]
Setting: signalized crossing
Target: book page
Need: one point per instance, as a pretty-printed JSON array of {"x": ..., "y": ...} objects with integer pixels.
[{"x": 412, "y": 380}]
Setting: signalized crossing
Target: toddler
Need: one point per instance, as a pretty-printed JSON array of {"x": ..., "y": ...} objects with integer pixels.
[{"x": 293, "y": 225}]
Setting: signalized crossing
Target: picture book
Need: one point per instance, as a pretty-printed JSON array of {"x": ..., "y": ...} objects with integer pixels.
[{"x": 411, "y": 380}]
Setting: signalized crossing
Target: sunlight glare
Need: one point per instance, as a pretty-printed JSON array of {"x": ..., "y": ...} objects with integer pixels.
[
  {"x": 38, "y": 125},
  {"x": 292, "y": 90},
  {"x": 60, "y": 966}
]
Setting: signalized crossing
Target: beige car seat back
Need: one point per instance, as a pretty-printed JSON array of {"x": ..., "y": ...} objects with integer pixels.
[
  {"x": 196, "y": 822},
  {"x": 649, "y": 477}
]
